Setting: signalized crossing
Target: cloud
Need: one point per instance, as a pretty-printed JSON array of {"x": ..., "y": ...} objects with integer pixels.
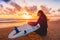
[
  {"x": 6, "y": 0},
  {"x": 31, "y": 8}
]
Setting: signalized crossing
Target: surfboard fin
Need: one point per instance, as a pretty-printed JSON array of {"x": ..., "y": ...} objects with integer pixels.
[{"x": 25, "y": 31}]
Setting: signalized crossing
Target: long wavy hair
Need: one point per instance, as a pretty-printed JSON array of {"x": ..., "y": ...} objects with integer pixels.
[{"x": 41, "y": 14}]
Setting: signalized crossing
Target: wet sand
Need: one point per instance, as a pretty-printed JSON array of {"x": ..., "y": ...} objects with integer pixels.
[{"x": 53, "y": 33}]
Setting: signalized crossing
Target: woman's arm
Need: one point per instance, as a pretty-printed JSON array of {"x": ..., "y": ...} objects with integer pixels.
[
  {"x": 38, "y": 21},
  {"x": 34, "y": 23}
]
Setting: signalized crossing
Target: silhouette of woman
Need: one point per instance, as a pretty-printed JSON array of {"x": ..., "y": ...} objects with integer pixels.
[{"x": 42, "y": 21}]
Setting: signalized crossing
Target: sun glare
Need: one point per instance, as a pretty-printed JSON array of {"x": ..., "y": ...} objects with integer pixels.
[{"x": 27, "y": 16}]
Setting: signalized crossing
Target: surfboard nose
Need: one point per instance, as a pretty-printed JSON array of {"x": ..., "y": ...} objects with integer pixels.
[{"x": 9, "y": 37}]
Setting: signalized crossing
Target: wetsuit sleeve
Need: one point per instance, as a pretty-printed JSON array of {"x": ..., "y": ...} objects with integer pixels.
[
  {"x": 34, "y": 23},
  {"x": 39, "y": 20}
]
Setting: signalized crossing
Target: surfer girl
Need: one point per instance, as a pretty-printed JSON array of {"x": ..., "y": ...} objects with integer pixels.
[{"x": 42, "y": 21}]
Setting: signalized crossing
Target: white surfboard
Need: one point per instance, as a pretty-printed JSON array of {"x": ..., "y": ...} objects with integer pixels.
[{"x": 26, "y": 27}]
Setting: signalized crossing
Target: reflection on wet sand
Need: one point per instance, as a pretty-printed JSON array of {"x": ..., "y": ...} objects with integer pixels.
[{"x": 12, "y": 23}]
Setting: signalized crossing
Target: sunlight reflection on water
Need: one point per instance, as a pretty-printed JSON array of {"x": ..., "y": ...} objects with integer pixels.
[{"x": 12, "y": 23}]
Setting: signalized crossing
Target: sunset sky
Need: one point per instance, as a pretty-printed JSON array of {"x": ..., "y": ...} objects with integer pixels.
[
  {"x": 49, "y": 3},
  {"x": 54, "y": 4}
]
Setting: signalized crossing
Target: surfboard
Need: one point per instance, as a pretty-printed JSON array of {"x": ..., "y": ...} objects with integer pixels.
[{"x": 23, "y": 30}]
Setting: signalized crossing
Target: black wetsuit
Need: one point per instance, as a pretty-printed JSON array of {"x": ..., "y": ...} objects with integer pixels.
[{"x": 43, "y": 26}]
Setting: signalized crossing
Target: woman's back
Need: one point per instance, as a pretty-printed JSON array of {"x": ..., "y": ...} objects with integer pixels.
[{"x": 43, "y": 24}]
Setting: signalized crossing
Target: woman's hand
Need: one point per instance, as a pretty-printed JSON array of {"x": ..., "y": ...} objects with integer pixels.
[{"x": 32, "y": 23}]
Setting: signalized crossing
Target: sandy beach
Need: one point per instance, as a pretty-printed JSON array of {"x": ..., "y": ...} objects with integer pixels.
[
  {"x": 53, "y": 33},
  {"x": 18, "y": 12}
]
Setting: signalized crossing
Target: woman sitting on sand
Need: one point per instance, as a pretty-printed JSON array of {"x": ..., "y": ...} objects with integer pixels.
[{"x": 42, "y": 21}]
